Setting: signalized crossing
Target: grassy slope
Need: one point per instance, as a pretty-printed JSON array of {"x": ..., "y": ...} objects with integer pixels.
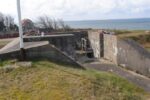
[
  {"x": 141, "y": 37},
  {"x": 51, "y": 81}
]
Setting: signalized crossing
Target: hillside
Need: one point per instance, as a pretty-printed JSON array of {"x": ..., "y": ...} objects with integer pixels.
[
  {"x": 46, "y": 80},
  {"x": 140, "y": 36}
]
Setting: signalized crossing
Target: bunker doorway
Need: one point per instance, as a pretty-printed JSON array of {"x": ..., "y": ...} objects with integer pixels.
[
  {"x": 101, "y": 45},
  {"x": 90, "y": 55}
]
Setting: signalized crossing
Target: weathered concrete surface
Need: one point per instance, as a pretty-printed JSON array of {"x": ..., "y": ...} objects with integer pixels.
[
  {"x": 78, "y": 35},
  {"x": 109, "y": 43},
  {"x": 126, "y": 53},
  {"x": 14, "y": 46},
  {"x": 94, "y": 38},
  {"x": 43, "y": 51},
  {"x": 13, "y": 52},
  {"x": 50, "y": 52},
  {"x": 110, "y": 48},
  {"x": 54, "y": 47},
  {"x": 64, "y": 42},
  {"x": 132, "y": 56},
  {"x": 139, "y": 80}
]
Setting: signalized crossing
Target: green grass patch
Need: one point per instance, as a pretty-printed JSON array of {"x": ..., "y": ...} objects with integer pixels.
[
  {"x": 7, "y": 62},
  {"x": 50, "y": 81}
]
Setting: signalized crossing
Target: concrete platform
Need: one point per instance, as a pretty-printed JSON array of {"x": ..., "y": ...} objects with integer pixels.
[{"x": 14, "y": 45}]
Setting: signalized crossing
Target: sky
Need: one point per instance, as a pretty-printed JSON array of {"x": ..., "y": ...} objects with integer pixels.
[{"x": 78, "y": 9}]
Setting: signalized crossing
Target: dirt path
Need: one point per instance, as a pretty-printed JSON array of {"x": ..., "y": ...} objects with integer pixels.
[{"x": 137, "y": 79}]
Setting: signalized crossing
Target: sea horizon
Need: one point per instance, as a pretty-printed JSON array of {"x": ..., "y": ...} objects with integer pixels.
[{"x": 125, "y": 24}]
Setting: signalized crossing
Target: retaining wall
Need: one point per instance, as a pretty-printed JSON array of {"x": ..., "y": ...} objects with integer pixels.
[
  {"x": 41, "y": 52},
  {"x": 132, "y": 56}
]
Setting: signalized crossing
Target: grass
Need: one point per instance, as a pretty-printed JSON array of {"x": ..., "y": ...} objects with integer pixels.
[
  {"x": 47, "y": 80},
  {"x": 139, "y": 36},
  {"x": 7, "y": 62}
]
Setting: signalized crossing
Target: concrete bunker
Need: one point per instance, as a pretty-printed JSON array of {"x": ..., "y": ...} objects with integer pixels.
[
  {"x": 123, "y": 52},
  {"x": 95, "y": 44}
]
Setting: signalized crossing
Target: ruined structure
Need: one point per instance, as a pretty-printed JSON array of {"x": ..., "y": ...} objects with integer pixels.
[
  {"x": 63, "y": 47},
  {"x": 55, "y": 47},
  {"x": 125, "y": 53},
  {"x": 58, "y": 47}
]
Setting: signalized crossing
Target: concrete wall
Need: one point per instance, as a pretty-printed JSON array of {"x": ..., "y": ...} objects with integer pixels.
[
  {"x": 45, "y": 52},
  {"x": 50, "y": 52},
  {"x": 110, "y": 48},
  {"x": 126, "y": 53},
  {"x": 94, "y": 39},
  {"x": 78, "y": 35},
  {"x": 132, "y": 56},
  {"x": 10, "y": 55},
  {"x": 65, "y": 43}
]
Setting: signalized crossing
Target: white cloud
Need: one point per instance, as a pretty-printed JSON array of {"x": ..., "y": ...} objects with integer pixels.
[{"x": 78, "y": 9}]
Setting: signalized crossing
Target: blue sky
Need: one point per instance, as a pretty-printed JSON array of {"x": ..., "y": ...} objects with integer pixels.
[{"x": 79, "y": 9}]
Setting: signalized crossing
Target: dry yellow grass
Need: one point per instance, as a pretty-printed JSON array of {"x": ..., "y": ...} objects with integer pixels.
[
  {"x": 141, "y": 37},
  {"x": 50, "y": 81}
]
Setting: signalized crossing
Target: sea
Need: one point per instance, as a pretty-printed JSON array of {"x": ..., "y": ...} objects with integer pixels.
[{"x": 123, "y": 24}]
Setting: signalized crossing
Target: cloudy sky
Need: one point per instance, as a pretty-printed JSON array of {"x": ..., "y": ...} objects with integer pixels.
[{"x": 79, "y": 9}]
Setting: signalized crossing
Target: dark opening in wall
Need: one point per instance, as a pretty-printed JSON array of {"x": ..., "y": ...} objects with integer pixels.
[
  {"x": 102, "y": 44},
  {"x": 90, "y": 55}
]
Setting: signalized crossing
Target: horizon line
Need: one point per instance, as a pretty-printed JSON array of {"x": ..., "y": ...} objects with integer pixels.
[{"x": 107, "y": 19}]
